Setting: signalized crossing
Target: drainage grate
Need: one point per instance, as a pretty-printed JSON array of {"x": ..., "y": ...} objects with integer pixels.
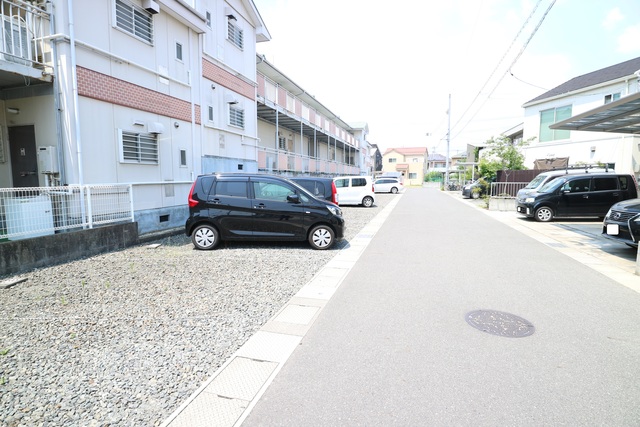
[{"x": 500, "y": 323}]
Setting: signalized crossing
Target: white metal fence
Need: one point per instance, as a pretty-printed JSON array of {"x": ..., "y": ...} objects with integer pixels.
[{"x": 40, "y": 211}]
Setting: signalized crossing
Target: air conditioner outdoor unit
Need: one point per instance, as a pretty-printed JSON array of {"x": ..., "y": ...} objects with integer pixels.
[{"x": 16, "y": 45}]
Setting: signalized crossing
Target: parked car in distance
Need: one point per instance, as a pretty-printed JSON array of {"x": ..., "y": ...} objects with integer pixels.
[
  {"x": 475, "y": 189},
  {"x": 259, "y": 207},
  {"x": 387, "y": 185},
  {"x": 396, "y": 175},
  {"x": 622, "y": 222},
  {"x": 323, "y": 188},
  {"x": 582, "y": 195},
  {"x": 355, "y": 190},
  {"x": 544, "y": 177}
]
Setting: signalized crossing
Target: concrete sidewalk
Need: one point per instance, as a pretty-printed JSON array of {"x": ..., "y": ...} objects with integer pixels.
[{"x": 379, "y": 336}]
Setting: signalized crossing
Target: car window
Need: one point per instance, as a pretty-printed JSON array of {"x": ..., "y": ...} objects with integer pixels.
[
  {"x": 552, "y": 185},
  {"x": 206, "y": 182},
  {"x": 577, "y": 185},
  {"x": 606, "y": 183},
  {"x": 231, "y": 188},
  {"x": 359, "y": 182},
  {"x": 343, "y": 182},
  {"x": 624, "y": 182},
  {"x": 271, "y": 191},
  {"x": 536, "y": 181}
]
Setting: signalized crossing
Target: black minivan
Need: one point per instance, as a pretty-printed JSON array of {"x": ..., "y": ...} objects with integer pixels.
[
  {"x": 259, "y": 207},
  {"x": 581, "y": 195}
]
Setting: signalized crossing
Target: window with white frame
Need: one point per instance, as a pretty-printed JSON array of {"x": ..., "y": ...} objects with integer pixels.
[
  {"x": 183, "y": 158},
  {"x": 611, "y": 97},
  {"x": 210, "y": 115},
  {"x": 178, "y": 51},
  {"x": 134, "y": 20},
  {"x": 236, "y": 116},
  {"x": 208, "y": 15},
  {"x": 551, "y": 116},
  {"x": 413, "y": 175},
  {"x": 392, "y": 159},
  {"x": 139, "y": 147},
  {"x": 235, "y": 34}
]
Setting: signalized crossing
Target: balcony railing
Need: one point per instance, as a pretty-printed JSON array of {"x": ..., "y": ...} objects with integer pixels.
[
  {"x": 275, "y": 161},
  {"x": 24, "y": 35},
  {"x": 40, "y": 211}
]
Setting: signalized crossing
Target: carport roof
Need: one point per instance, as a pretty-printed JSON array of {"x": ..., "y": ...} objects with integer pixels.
[{"x": 621, "y": 116}]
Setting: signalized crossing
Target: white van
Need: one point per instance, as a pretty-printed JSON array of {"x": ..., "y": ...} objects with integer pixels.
[
  {"x": 355, "y": 190},
  {"x": 544, "y": 177}
]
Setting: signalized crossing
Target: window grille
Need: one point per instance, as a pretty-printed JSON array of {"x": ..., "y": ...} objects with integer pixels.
[
  {"x": 235, "y": 34},
  {"x": 139, "y": 147},
  {"x": 134, "y": 20},
  {"x": 236, "y": 116},
  {"x": 282, "y": 143}
]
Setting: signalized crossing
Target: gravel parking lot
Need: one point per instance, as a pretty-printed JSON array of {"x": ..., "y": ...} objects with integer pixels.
[{"x": 124, "y": 338}]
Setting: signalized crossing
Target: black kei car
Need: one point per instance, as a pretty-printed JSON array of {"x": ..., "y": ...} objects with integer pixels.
[
  {"x": 622, "y": 223},
  {"x": 323, "y": 188},
  {"x": 580, "y": 195},
  {"x": 259, "y": 207}
]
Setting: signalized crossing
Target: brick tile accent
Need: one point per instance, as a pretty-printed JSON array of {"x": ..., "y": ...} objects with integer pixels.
[
  {"x": 224, "y": 78},
  {"x": 120, "y": 92}
]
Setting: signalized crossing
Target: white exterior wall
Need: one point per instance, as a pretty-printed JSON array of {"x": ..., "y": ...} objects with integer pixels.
[{"x": 582, "y": 146}]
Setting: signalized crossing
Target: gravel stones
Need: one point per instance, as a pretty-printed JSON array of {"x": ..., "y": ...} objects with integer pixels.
[{"x": 125, "y": 337}]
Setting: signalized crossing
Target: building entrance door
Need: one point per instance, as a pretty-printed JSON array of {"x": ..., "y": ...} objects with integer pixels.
[{"x": 24, "y": 159}]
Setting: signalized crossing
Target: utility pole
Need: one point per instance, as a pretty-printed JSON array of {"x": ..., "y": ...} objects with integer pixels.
[{"x": 446, "y": 179}]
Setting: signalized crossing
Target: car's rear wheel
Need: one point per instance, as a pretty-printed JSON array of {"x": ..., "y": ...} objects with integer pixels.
[
  {"x": 475, "y": 194},
  {"x": 394, "y": 190},
  {"x": 367, "y": 202},
  {"x": 543, "y": 214},
  {"x": 321, "y": 237},
  {"x": 205, "y": 237}
]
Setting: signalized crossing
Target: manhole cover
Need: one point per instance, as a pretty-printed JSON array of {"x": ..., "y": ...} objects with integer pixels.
[{"x": 500, "y": 323}]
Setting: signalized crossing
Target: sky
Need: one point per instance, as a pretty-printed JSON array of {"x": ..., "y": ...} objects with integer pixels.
[{"x": 399, "y": 65}]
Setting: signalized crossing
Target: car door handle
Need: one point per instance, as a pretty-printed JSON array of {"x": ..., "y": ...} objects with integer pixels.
[
  {"x": 586, "y": 196},
  {"x": 215, "y": 201},
  {"x": 260, "y": 206}
]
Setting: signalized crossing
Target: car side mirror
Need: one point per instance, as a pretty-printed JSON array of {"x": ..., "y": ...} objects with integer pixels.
[{"x": 293, "y": 198}]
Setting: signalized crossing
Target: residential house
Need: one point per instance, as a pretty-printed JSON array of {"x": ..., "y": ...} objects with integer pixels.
[
  {"x": 579, "y": 95},
  {"x": 410, "y": 161},
  {"x": 151, "y": 93},
  {"x": 437, "y": 163}
]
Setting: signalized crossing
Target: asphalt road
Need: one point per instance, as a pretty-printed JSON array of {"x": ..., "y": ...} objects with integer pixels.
[{"x": 393, "y": 345}]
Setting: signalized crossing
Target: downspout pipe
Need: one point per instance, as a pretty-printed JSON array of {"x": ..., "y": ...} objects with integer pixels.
[{"x": 74, "y": 78}]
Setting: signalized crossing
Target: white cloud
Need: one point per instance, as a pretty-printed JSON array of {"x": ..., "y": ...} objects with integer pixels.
[
  {"x": 629, "y": 40},
  {"x": 613, "y": 18}
]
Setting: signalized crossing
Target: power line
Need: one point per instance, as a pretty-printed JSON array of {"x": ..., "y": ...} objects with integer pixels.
[{"x": 510, "y": 67}]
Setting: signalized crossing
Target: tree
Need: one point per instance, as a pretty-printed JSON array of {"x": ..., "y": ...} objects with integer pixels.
[{"x": 502, "y": 154}]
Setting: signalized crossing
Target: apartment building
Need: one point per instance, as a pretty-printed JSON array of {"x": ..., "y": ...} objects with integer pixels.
[{"x": 151, "y": 93}]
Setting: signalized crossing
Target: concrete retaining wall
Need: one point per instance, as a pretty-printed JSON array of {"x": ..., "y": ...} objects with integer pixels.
[
  {"x": 497, "y": 204},
  {"x": 20, "y": 256}
]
